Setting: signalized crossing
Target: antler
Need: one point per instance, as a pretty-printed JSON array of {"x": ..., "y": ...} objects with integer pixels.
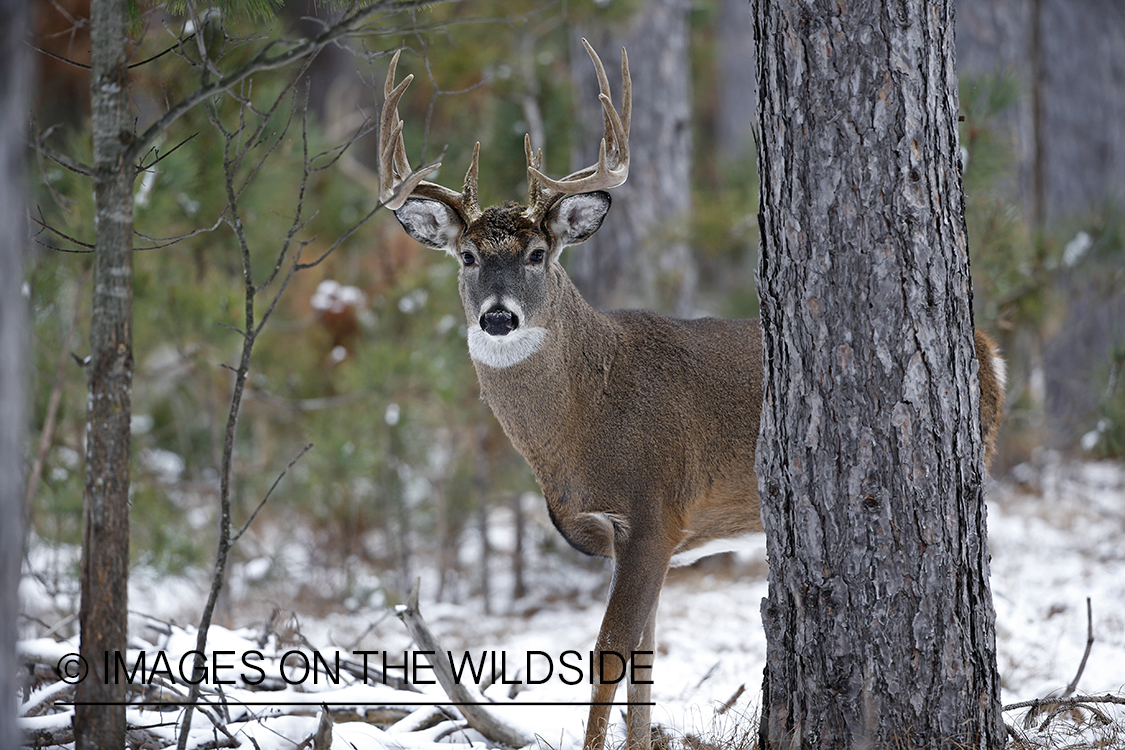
[
  {"x": 397, "y": 181},
  {"x": 612, "y": 168}
]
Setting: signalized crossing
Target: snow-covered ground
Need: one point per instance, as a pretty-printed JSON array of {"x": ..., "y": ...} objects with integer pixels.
[{"x": 1057, "y": 535}]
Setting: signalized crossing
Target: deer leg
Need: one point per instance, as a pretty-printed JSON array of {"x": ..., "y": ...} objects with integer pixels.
[
  {"x": 639, "y": 569},
  {"x": 639, "y": 721}
]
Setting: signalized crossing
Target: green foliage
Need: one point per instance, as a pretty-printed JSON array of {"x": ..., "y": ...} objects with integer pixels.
[
  {"x": 725, "y": 238},
  {"x": 254, "y": 9},
  {"x": 404, "y": 450},
  {"x": 724, "y": 229},
  {"x": 1094, "y": 257},
  {"x": 1030, "y": 283},
  {"x": 1005, "y": 254}
]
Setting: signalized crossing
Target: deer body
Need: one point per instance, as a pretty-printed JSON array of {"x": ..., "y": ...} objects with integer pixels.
[
  {"x": 638, "y": 420},
  {"x": 641, "y": 429}
]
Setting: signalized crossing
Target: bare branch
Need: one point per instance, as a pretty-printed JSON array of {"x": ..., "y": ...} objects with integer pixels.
[
  {"x": 60, "y": 58},
  {"x": 61, "y": 159},
  {"x": 41, "y": 222},
  {"x": 350, "y": 24},
  {"x": 158, "y": 55},
  {"x": 467, "y": 701},
  {"x": 250, "y": 520},
  {"x": 159, "y": 243},
  {"x": 161, "y": 157}
]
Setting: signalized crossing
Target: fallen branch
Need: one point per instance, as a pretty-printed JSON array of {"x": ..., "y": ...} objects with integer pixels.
[
  {"x": 467, "y": 702},
  {"x": 1076, "y": 702}
]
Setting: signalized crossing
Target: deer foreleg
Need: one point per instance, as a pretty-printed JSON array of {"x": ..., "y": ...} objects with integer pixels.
[{"x": 639, "y": 570}]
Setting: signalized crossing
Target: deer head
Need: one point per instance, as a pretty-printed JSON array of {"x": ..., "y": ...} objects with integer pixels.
[{"x": 509, "y": 254}]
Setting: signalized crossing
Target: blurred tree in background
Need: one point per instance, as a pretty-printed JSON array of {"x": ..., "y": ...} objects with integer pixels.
[
  {"x": 1045, "y": 180},
  {"x": 365, "y": 356}
]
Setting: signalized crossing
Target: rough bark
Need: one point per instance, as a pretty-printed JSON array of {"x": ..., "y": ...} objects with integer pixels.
[
  {"x": 13, "y": 327},
  {"x": 640, "y": 257},
  {"x": 879, "y": 620},
  {"x": 105, "y": 545}
]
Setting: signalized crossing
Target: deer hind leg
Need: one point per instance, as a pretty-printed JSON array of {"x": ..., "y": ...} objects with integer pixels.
[
  {"x": 639, "y": 721},
  {"x": 639, "y": 569}
]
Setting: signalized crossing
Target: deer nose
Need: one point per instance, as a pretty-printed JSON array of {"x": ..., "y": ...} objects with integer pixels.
[{"x": 499, "y": 322}]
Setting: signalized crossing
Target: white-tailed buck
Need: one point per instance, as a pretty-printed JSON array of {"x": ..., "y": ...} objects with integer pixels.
[{"x": 641, "y": 429}]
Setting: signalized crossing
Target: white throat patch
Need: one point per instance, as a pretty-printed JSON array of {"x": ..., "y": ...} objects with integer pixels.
[{"x": 504, "y": 351}]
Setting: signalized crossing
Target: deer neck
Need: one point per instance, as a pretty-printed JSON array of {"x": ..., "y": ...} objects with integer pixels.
[{"x": 541, "y": 399}]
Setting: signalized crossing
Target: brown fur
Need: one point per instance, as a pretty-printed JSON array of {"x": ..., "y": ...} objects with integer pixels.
[{"x": 993, "y": 379}]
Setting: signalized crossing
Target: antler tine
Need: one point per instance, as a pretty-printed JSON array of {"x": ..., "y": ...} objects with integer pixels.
[
  {"x": 470, "y": 209},
  {"x": 616, "y": 128},
  {"x": 397, "y": 181},
  {"x": 612, "y": 168},
  {"x": 534, "y": 187}
]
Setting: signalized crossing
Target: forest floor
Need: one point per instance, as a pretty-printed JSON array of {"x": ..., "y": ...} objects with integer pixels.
[{"x": 1056, "y": 533}]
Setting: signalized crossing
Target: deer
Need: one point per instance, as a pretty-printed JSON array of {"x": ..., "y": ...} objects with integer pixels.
[{"x": 640, "y": 429}]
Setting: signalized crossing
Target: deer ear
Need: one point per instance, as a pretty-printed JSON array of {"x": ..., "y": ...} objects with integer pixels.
[
  {"x": 575, "y": 217},
  {"x": 432, "y": 223}
]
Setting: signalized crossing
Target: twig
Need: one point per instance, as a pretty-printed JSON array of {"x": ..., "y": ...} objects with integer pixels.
[
  {"x": 269, "y": 492},
  {"x": 730, "y": 701},
  {"x": 62, "y": 159},
  {"x": 1089, "y": 643},
  {"x": 88, "y": 247},
  {"x": 161, "y": 157},
  {"x": 159, "y": 243}
]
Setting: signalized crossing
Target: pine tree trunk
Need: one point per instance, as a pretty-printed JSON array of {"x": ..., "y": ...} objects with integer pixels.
[
  {"x": 105, "y": 550},
  {"x": 13, "y": 345},
  {"x": 879, "y": 621}
]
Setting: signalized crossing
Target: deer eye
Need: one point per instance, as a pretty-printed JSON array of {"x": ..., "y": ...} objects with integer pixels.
[
  {"x": 535, "y": 257},
  {"x": 468, "y": 259}
]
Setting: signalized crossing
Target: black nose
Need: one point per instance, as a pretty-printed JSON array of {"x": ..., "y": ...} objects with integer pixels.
[{"x": 499, "y": 322}]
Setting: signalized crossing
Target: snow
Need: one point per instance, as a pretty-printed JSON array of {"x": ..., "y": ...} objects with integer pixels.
[{"x": 1055, "y": 533}]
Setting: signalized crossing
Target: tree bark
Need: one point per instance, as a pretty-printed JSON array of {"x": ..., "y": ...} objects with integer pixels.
[
  {"x": 105, "y": 545},
  {"x": 879, "y": 621},
  {"x": 13, "y": 332},
  {"x": 640, "y": 257}
]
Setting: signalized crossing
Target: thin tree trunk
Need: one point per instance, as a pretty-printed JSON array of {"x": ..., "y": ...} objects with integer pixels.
[
  {"x": 738, "y": 97},
  {"x": 13, "y": 328},
  {"x": 519, "y": 587},
  {"x": 879, "y": 621},
  {"x": 105, "y": 550},
  {"x": 485, "y": 551},
  {"x": 640, "y": 257}
]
